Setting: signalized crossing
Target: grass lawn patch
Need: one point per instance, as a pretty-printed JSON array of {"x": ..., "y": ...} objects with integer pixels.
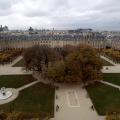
[
  {"x": 19, "y": 63},
  {"x": 15, "y": 81},
  {"x": 104, "y": 97},
  {"x": 35, "y": 99},
  {"x": 112, "y": 78}
]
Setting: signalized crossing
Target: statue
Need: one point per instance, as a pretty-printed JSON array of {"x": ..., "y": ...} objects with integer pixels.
[{"x": 3, "y": 91}]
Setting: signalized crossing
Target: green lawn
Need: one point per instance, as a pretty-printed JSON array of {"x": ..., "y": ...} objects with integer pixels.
[
  {"x": 15, "y": 81},
  {"x": 19, "y": 63},
  {"x": 104, "y": 97},
  {"x": 112, "y": 78},
  {"x": 35, "y": 99},
  {"x": 106, "y": 63}
]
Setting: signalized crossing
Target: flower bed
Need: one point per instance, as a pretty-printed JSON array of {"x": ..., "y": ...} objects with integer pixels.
[
  {"x": 9, "y": 55},
  {"x": 114, "y": 55}
]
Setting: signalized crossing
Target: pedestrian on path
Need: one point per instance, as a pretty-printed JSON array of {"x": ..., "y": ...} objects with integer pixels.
[
  {"x": 56, "y": 97},
  {"x": 106, "y": 68},
  {"x": 92, "y": 107},
  {"x": 57, "y": 108}
]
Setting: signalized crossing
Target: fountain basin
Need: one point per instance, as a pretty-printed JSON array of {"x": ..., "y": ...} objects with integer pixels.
[{"x": 6, "y": 96}]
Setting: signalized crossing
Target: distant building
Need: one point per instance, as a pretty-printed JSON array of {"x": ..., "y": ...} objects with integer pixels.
[
  {"x": 78, "y": 31},
  {"x": 58, "y": 38},
  {"x": 3, "y": 29}
]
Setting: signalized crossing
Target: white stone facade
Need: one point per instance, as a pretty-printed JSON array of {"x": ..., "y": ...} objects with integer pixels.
[{"x": 57, "y": 41}]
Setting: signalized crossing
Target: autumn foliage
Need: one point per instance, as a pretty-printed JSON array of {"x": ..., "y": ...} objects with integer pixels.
[
  {"x": 70, "y": 64},
  {"x": 8, "y": 56}
]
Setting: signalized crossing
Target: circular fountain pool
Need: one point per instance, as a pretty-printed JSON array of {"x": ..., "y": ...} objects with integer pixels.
[
  {"x": 8, "y": 95},
  {"x": 5, "y": 95}
]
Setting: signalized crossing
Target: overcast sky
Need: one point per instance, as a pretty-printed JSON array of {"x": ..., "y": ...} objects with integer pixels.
[{"x": 60, "y": 14}]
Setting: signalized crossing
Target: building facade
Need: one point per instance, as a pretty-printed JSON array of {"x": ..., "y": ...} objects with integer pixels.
[{"x": 94, "y": 39}]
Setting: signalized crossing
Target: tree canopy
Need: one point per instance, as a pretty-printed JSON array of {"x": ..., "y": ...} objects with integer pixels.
[
  {"x": 39, "y": 57},
  {"x": 80, "y": 65},
  {"x": 71, "y": 64}
]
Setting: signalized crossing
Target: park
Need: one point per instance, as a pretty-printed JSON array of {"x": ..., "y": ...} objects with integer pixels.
[{"x": 52, "y": 83}]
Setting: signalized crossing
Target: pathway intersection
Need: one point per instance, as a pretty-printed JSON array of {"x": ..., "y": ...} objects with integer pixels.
[
  {"x": 73, "y": 101},
  {"x": 76, "y": 106}
]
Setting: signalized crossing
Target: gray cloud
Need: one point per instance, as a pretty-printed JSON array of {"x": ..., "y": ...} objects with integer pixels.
[
  {"x": 5, "y": 4},
  {"x": 61, "y": 14}
]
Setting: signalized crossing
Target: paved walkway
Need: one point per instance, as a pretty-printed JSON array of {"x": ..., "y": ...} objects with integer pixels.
[
  {"x": 9, "y": 70},
  {"x": 110, "y": 84},
  {"x": 111, "y": 69},
  {"x": 14, "y": 62},
  {"x": 28, "y": 85},
  {"x": 6, "y": 70},
  {"x": 108, "y": 60},
  {"x": 37, "y": 76},
  {"x": 74, "y": 104}
]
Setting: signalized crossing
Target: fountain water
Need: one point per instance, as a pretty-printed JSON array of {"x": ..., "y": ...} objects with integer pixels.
[{"x": 5, "y": 93}]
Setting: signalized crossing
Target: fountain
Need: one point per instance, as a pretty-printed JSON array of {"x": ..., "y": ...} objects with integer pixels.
[{"x": 5, "y": 93}]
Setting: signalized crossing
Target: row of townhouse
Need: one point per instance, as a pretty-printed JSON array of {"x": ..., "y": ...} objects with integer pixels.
[
  {"x": 25, "y": 41},
  {"x": 115, "y": 42}
]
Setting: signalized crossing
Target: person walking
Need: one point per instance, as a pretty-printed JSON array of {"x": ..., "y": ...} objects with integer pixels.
[
  {"x": 92, "y": 107},
  {"x": 57, "y": 108}
]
